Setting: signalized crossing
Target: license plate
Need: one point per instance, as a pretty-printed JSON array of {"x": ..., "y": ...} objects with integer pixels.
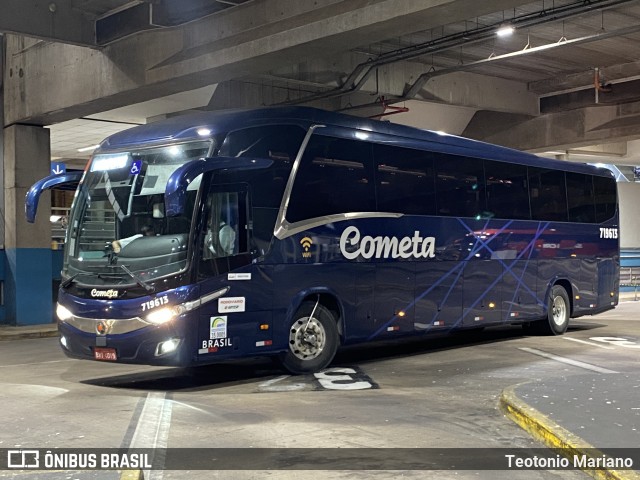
[{"x": 108, "y": 354}]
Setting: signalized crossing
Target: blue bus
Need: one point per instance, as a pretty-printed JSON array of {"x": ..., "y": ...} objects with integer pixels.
[{"x": 292, "y": 231}]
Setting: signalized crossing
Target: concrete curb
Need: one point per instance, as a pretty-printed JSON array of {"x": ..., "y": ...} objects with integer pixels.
[
  {"x": 545, "y": 430},
  {"x": 28, "y": 331}
]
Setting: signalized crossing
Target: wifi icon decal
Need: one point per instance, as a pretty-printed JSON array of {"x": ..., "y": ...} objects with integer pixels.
[{"x": 306, "y": 243}]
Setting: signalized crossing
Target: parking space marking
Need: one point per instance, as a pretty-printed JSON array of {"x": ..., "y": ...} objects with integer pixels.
[
  {"x": 152, "y": 429},
  {"x": 341, "y": 378},
  {"x": 618, "y": 342},
  {"x": 334, "y": 378},
  {"x": 568, "y": 361},
  {"x": 588, "y": 343},
  {"x": 277, "y": 385}
]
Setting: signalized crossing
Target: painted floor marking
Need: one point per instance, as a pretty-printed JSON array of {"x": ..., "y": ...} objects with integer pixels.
[
  {"x": 152, "y": 429},
  {"x": 270, "y": 385},
  {"x": 588, "y": 343},
  {"x": 568, "y": 361}
]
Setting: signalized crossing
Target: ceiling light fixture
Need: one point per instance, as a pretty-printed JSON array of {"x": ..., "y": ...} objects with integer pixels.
[
  {"x": 88, "y": 149},
  {"x": 505, "y": 31}
]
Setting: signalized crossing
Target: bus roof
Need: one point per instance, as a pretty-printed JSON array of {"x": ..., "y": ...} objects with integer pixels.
[{"x": 186, "y": 127}]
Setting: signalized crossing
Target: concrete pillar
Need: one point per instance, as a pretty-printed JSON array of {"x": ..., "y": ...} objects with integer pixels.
[
  {"x": 629, "y": 198},
  {"x": 27, "y": 284}
]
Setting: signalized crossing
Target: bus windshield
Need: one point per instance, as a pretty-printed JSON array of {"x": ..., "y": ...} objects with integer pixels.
[{"x": 119, "y": 233}]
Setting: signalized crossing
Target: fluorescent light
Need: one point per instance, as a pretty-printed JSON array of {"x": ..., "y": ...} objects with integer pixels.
[
  {"x": 113, "y": 161},
  {"x": 204, "y": 132},
  {"x": 505, "y": 31},
  {"x": 88, "y": 149}
]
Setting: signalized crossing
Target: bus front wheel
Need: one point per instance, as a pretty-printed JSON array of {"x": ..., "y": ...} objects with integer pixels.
[
  {"x": 313, "y": 339},
  {"x": 558, "y": 313}
]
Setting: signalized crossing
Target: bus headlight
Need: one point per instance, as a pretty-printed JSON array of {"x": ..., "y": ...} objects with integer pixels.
[
  {"x": 63, "y": 313},
  {"x": 162, "y": 315}
]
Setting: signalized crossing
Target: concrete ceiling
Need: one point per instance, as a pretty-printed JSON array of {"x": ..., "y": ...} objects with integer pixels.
[{"x": 566, "y": 81}]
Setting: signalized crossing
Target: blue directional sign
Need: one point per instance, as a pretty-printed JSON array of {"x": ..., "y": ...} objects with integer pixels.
[{"x": 58, "y": 168}]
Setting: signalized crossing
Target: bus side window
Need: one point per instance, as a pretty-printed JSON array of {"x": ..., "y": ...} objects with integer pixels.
[
  {"x": 404, "y": 180},
  {"x": 580, "y": 197},
  {"x": 460, "y": 186},
  {"x": 507, "y": 195},
  {"x": 605, "y": 197},
  {"x": 335, "y": 176},
  {"x": 548, "y": 193},
  {"x": 226, "y": 233}
]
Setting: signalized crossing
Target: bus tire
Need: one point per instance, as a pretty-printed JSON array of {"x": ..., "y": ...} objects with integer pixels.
[
  {"x": 313, "y": 341},
  {"x": 558, "y": 313}
]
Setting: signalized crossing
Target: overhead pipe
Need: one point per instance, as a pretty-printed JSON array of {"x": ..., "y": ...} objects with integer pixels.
[
  {"x": 598, "y": 85},
  {"x": 413, "y": 90},
  {"x": 358, "y": 77}
]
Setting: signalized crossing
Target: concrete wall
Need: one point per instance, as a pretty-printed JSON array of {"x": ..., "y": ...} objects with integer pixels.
[{"x": 629, "y": 198}]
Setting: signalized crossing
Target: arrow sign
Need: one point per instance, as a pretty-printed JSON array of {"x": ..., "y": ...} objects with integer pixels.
[{"x": 58, "y": 168}]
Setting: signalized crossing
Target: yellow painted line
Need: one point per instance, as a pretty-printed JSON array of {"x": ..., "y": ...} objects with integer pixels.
[
  {"x": 131, "y": 475},
  {"x": 545, "y": 430}
]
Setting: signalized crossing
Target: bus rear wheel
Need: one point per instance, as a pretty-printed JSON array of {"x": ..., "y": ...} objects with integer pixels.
[
  {"x": 313, "y": 339},
  {"x": 558, "y": 313}
]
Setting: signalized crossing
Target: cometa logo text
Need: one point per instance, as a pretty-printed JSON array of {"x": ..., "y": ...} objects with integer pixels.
[
  {"x": 104, "y": 293},
  {"x": 385, "y": 247}
]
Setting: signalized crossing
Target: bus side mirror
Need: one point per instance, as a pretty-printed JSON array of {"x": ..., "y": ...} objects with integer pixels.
[
  {"x": 176, "y": 192},
  {"x": 33, "y": 195}
]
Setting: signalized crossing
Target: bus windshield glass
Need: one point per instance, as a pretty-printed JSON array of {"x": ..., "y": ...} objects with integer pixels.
[{"x": 119, "y": 233}]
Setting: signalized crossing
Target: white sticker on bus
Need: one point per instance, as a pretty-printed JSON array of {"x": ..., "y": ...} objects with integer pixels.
[
  {"x": 231, "y": 304},
  {"x": 385, "y": 247},
  {"x": 239, "y": 276}
]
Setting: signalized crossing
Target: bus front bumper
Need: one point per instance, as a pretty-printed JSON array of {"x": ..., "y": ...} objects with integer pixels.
[{"x": 152, "y": 345}]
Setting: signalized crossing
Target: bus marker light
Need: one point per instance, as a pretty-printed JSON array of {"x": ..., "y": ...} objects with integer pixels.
[
  {"x": 492, "y": 305},
  {"x": 401, "y": 313},
  {"x": 393, "y": 328},
  {"x": 514, "y": 314},
  {"x": 264, "y": 343},
  {"x": 477, "y": 319},
  {"x": 264, "y": 326},
  {"x": 577, "y": 297},
  {"x": 438, "y": 323}
]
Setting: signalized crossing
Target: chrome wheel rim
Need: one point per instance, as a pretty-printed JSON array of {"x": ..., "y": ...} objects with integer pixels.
[
  {"x": 559, "y": 311},
  {"x": 307, "y": 338}
]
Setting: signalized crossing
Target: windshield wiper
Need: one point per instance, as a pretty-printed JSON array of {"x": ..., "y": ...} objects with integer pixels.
[
  {"x": 67, "y": 283},
  {"x": 138, "y": 280}
]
